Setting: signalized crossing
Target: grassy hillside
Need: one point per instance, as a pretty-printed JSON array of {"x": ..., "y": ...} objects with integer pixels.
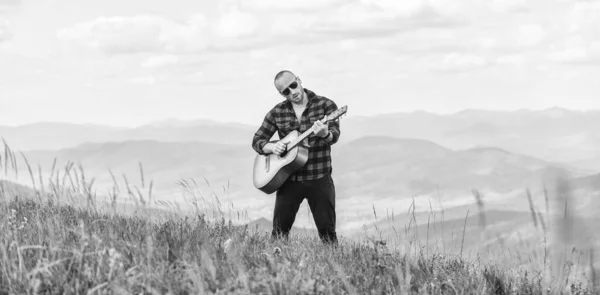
[
  {"x": 60, "y": 240},
  {"x": 372, "y": 170},
  {"x": 61, "y": 250}
]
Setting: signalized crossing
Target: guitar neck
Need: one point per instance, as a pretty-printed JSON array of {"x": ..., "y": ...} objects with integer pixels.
[
  {"x": 330, "y": 117},
  {"x": 300, "y": 138}
]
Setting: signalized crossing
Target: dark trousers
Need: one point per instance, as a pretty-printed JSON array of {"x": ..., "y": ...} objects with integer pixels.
[{"x": 319, "y": 193}]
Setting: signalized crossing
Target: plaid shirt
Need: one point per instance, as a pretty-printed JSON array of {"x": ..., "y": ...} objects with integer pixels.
[{"x": 282, "y": 119}]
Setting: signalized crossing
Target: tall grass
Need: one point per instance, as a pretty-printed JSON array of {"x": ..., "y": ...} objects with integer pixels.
[{"x": 62, "y": 240}]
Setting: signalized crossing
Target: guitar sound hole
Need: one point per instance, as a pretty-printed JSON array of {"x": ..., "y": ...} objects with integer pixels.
[{"x": 282, "y": 155}]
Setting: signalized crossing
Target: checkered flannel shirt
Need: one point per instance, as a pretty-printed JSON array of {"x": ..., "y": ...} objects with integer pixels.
[{"x": 282, "y": 118}]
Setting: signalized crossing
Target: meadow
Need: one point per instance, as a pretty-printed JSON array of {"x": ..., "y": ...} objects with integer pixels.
[{"x": 62, "y": 240}]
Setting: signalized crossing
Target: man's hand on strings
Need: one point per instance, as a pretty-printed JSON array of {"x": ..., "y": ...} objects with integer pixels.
[
  {"x": 321, "y": 129},
  {"x": 279, "y": 147}
]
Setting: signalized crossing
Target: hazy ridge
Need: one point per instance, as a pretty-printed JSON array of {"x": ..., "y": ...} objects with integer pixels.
[{"x": 379, "y": 160}]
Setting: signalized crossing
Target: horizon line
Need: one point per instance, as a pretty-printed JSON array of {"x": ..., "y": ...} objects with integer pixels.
[{"x": 212, "y": 120}]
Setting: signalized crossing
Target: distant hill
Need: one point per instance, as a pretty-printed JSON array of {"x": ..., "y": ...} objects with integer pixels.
[
  {"x": 55, "y": 136},
  {"x": 592, "y": 164},
  {"x": 370, "y": 165},
  {"x": 393, "y": 166},
  {"x": 377, "y": 151},
  {"x": 554, "y": 134},
  {"x": 476, "y": 229},
  {"x": 163, "y": 162},
  {"x": 591, "y": 182},
  {"x": 10, "y": 190}
]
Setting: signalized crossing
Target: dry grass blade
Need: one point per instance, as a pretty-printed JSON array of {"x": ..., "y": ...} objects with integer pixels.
[
  {"x": 41, "y": 178},
  {"x": 546, "y": 201},
  {"x": 15, "y": 167},
  {"x": 141, "y": 196},
  {"x": 150, "y": 191},
  {"x": 374, "y": 212},
  {"x": 479, "y": 200},
  {"x": 342, "y": 275},
  {"x": 97, "y": 288},
  {"x": 130, "y": 192},
  {"x": 46, "y": 267},
  {"x": 593, "y": 275},
  {"x": 30, "y": 171},
  {"x": 83, "y": 182},
  {"x": 6, "y": 156},
  {"x": 77, "y": 180},
  {"x": 142, "y": 174},
  {"x": 69, "y": 169},
  {"x": 2, "y": 191},
  {"x": 53, "y": 168},
  {"x": 542, "y": 222},
  {"x": 531, "y": 208},
  {"x": 462, "y": 244},
  {"x": 67, "y": 175}
]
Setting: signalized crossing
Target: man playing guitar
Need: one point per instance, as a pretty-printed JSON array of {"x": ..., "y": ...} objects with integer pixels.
[{"x": 301, "y": 110}]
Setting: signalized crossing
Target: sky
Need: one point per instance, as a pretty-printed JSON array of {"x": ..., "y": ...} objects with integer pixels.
[{"x": 127, "y": 63}]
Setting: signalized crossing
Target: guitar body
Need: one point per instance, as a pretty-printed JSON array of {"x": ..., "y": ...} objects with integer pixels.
[{"x": 271, "y": 171}]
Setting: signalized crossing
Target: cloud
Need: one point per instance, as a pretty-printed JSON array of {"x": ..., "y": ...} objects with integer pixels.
[
  {"x": 370, "y": 18},
  {"x": 577, "y": 50},
  {"x": 581, "y": 39},
  {"x": 157, "y": 34},
  {"x": 398, "y": 8},
  {"x": 235, "y": 23},
  {"x": 4, "y": 31},
  {"x": 530, "y": 35},
  {"x": 239, "y": 25},
  {"x": 584, "y": 18},
  {"x": 459, "y": 62},
  {"x": 146, "y": 80},
  {"x": 483, "y": 43},
  {"x": 288, "y": 6},
  {"x": 146, "y": 33},
  {"x": 515, "y": 59},
  {"x": 509, "y": 5},
  {"x": 6, "y": 6},
  {"x": 159, "y": 61},
  {"x": 10, "y": 2}
]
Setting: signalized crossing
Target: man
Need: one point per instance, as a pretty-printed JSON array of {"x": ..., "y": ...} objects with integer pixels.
[{"x": 301, "y": 110}]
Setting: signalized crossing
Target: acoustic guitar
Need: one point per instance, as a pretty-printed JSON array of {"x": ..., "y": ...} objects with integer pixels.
[{"x": 271, "y": 171}]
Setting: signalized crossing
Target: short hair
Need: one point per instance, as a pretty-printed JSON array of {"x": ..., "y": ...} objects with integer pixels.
[{"x": 281, "y": 73}]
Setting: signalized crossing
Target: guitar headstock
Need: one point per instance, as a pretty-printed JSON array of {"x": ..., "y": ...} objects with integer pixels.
[{"x": 336, "y": 114}]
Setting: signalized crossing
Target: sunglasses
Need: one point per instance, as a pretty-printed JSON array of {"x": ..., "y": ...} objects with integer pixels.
[{"x": 286, "y": 91}]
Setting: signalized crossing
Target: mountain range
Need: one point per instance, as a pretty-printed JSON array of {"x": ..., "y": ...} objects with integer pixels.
[
  {"x": 371, "y": 164},
  {"x": 553, "y": 134},
  {"x": 383, "y": 161},
  {"x": 55, "y": 136}
]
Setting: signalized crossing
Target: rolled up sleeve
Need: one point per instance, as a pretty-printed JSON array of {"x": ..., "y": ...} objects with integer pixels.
[{"x": 264, "y": 133}]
